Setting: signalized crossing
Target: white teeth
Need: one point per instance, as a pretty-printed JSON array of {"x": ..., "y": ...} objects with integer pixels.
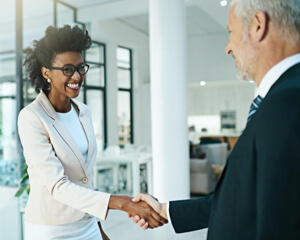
[{"x": 75, "y": 85}]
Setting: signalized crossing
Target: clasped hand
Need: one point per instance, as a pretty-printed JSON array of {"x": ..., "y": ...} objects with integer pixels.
[{"x": 151, "y": 214}]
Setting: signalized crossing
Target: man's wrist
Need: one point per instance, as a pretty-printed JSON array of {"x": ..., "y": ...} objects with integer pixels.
[{"x": 164, "y": 211}]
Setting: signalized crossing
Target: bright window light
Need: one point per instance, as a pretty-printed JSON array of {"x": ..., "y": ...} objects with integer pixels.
[
  {"x": 223, "y": 3},
  {"x": 202, "y": 83}
]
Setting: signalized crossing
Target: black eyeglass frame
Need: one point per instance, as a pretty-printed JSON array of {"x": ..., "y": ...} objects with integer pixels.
[{"x": 70, "y": 65}]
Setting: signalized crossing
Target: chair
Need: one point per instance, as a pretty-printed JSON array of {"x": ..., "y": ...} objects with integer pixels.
[{"x": 202, "y": 179}]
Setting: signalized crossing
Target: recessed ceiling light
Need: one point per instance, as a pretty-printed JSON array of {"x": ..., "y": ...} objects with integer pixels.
[
  {"x": 223, "y": 3},
  {"x": 202, "y": 83}
]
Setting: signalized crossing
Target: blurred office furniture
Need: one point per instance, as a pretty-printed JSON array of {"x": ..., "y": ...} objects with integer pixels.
[
  {"x": 205, "y": 171},
  {"x": 230, "y": 139},
  {"x": 129, "y": 172}
]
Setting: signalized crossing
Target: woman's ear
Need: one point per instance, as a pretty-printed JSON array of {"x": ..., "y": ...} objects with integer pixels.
[
  {"x": 259, "y": 26},
  {"x": 45, "y": 72}
]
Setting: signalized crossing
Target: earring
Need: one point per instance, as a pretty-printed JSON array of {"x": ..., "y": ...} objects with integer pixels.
[{"x": 49, "y": 80}]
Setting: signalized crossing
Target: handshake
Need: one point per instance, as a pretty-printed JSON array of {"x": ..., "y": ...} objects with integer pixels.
[{"x": 147, "y": 212}]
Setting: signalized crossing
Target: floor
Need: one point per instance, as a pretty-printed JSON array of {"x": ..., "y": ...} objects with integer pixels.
[{"x": 119, "y": 226}]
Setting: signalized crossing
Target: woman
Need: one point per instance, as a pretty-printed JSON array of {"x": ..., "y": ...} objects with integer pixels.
[{"x": 60, "y": 148}]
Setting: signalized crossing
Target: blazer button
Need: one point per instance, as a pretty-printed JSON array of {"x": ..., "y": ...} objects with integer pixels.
[{"x": 85, "y": 180}]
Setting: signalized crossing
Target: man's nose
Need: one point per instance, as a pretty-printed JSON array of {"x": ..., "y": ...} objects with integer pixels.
[{"x": 228, "y": 48}]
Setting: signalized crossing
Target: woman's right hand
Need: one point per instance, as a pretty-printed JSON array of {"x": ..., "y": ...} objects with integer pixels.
[{"x": 141, "y": 209}]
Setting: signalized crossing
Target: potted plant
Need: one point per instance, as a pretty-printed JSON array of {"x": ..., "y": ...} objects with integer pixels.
[{"x": 24, "y": 183}]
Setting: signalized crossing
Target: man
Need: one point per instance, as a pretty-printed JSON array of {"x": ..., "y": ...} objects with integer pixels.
[{"x": 258, "y": 194}]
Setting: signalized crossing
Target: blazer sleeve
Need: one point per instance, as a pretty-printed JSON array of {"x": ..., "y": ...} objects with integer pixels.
[
  {"x": 278, "y": 168},
  {"x": 190, "y": 215},
  {"x": 41, "y": 157}
]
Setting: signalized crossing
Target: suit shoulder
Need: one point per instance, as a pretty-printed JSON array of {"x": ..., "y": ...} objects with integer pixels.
[{"x": 30, "y": 110}]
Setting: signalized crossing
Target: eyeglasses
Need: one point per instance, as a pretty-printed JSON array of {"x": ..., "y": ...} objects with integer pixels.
[{"x": 69, "y": 69}]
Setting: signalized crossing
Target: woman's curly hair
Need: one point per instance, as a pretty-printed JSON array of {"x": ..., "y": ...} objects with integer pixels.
[{"x": 43, "y": 52}]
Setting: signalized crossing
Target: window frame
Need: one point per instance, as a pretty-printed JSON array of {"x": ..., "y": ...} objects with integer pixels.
[{"x": 128, "y": 90}]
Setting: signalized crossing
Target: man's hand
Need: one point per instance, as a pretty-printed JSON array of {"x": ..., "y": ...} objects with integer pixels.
[
  {"x": 153, "y": 202},
  {"x": 142, "y": 209},
  {"x": 146, "y": 212}
]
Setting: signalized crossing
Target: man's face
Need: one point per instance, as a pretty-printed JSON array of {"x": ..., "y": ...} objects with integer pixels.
[{"x": 240, "y": 46}]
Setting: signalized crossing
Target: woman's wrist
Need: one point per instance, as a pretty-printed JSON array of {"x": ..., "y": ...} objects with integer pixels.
[{"x": 119, "y": 202}]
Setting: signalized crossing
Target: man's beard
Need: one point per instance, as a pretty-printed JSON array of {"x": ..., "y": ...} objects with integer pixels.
[
  {"x": 248, "y": 61},
  {"x": 246, "y": 72}
]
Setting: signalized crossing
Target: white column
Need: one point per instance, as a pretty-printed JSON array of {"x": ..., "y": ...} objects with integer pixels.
[
  {"x": 112, "y": 97},
  {"x": 169, "y": 99}
]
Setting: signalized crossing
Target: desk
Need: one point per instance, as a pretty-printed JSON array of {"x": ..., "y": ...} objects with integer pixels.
[{"x": 133, "y": 161}]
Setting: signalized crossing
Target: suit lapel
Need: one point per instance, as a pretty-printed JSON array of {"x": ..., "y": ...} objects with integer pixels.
[
  {"x": 60, "y": 128},
  {"x": 65, "y": 135},
  {"x": 89, "y": 132}
]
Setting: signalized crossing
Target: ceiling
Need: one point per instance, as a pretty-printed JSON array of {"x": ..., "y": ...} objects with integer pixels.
[
  {"x": 203, "y": 17},
  {"x": 88, "y": 3},
  {"x": 199, "y": 23}
]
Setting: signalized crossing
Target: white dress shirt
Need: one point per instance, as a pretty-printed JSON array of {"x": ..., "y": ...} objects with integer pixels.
[{"x": 275, "y": 72}]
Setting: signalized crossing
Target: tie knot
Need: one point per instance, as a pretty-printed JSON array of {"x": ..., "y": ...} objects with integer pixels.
[
  {"x": 258, "y": 100},
  {"x": 254, "y": 106}
]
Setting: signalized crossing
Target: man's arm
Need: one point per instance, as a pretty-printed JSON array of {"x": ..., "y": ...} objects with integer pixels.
[
  {"x": 185, "y": 215},
  {"x": 190, "y": 215}
]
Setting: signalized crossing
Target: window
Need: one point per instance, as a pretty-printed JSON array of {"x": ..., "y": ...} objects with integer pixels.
[
  {"x": 93, "y": 92},
  {"x": 9, "y": 168},
  {"x": 125, "y": 109}
]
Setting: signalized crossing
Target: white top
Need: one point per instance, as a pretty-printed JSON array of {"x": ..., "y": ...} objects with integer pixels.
[
  {"x": 87, "y": 227},
  {"x": 267, "y": 82},
  {"x": 84, "y": 229},
  {"x": 72, "y": 123},
  {"x": 275, "y": 72}
]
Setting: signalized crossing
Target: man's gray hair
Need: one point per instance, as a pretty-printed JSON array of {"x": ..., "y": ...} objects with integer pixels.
[{"x": 284, "y": 13}]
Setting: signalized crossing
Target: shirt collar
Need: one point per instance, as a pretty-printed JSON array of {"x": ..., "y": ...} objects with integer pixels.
[{"x": 275, "y": 72}]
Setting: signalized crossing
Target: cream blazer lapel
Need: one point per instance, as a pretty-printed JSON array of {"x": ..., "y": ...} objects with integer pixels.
[
  {"x": 85, "y": 120},
  {"x": 87, "y": 126},
  {"x": 62, "y": 130}
]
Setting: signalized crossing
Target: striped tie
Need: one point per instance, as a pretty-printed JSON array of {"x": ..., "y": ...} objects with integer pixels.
[{"x": 254, "y": 107}]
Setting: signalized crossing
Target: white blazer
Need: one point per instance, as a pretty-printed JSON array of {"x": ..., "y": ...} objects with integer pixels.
[{"x": 61, "y": 188}]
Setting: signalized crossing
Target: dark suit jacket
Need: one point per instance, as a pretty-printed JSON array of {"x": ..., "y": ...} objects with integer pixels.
[{"x": 258, "y": 194}]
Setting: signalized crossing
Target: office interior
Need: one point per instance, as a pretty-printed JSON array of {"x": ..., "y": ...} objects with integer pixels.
[{"x": 127, "y": 92}]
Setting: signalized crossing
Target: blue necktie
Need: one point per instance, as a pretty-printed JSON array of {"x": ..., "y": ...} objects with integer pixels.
[{"x": 254, "y": 107}]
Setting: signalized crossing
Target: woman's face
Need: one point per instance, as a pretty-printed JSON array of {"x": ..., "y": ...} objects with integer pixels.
[{"x": 65, "y": 86}]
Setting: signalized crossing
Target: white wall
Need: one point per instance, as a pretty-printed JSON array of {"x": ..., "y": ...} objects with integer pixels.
[
  {"x": 214, "y": 98},
  {"x": 207, "y": 60}
]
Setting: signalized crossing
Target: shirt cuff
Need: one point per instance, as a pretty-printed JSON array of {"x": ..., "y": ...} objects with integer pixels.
[{"x": 168, "y": 215}]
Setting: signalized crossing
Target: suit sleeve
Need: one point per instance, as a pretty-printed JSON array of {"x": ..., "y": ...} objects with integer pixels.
[
  {"x": 278, "y": 169},
  {"x": 190, "y": 215},
  {"x": 41, "y": 158}
]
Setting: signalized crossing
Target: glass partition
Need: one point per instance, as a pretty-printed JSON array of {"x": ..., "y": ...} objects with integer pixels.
[
  {"x": 36, "y": 16},
  {"x": 125, "y": 109},
  {"x": 95, "y": 103},
  {"x": 8, "y": 135}
]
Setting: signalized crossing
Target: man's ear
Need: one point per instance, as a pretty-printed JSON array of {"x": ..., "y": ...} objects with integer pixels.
[
  {"x": 259, "y": 26},
  {"x": 45, "y": 72}
]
